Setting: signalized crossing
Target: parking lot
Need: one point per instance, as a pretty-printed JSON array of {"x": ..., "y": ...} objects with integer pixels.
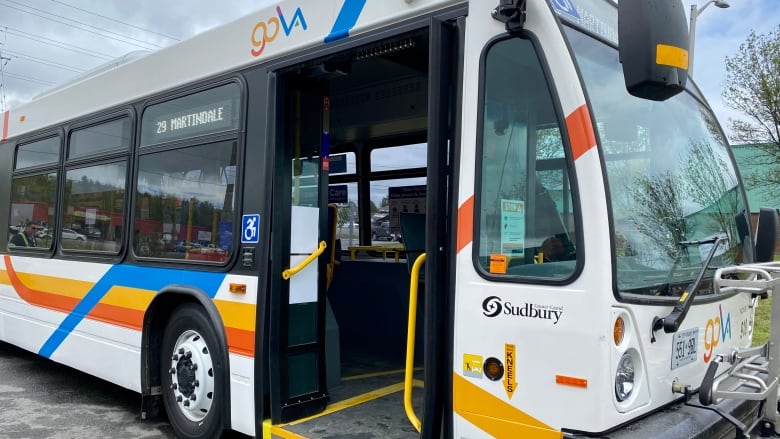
[{"x": 43, "y": 399}]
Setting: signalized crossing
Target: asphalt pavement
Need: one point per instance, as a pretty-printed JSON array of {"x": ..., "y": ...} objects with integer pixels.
[{"x": 43, "y": 399}]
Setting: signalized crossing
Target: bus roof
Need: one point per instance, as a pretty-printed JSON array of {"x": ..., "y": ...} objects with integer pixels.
[{"x": 263, "y": 35}]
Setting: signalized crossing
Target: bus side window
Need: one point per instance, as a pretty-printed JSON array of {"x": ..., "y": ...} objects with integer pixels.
[{"x": 185, "y": 203}]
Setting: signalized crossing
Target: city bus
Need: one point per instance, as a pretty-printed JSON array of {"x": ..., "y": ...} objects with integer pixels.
[{"x": 586, "y": 265}]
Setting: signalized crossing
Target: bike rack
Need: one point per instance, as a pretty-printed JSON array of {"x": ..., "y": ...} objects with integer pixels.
[{"x": 757, "y": 369}]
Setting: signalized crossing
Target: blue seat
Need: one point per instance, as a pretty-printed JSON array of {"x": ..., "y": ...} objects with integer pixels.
[{"x": 413, "y": 234}]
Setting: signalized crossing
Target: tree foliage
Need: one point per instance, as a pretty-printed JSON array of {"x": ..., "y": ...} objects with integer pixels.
[{"x": 753, "y": 89}]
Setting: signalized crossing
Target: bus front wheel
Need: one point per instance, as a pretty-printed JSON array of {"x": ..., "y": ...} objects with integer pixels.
[{"x": 191, "y": 384}]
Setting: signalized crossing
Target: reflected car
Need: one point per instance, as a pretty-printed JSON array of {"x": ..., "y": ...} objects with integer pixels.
[
  {"x": 183, "y": 246},
  {"x": 72, "y": 234}
]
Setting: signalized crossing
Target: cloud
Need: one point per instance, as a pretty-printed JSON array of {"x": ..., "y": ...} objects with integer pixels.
[{"x": 48, "y": 42}]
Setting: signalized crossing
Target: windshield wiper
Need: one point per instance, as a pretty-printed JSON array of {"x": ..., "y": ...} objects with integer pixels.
[
  {"x": 672, "y": 322},
  {"x": 667, "y": 288}
]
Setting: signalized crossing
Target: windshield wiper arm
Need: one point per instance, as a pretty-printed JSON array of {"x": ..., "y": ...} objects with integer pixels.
[{"x": 672, "y": 322}]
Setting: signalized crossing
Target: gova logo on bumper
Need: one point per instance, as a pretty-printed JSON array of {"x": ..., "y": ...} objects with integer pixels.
[
  {"x": 493, "y": 306},
  {"x": 716, "y": 331},
  {"x": 266, "y": 31}
]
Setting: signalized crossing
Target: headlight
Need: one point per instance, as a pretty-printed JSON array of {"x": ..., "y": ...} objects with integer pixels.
[{"x": 624, "y": 377}]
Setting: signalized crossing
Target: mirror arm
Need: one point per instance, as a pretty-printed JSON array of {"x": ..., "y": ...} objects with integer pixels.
[{"x": 511, "y": 13}]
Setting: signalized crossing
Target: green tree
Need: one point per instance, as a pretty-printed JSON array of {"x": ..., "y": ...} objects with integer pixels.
[{"x": 753, "y": 89}]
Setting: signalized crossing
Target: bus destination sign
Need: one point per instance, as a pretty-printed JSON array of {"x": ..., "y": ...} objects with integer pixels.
[
  {"x": 207, "y": 112},
  {"x": 195, "y": 122}
]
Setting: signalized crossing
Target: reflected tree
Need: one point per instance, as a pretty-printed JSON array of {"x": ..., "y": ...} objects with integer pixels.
[
  {"x": 660, "y": 216},
  {"x": 710, "y": 182}
]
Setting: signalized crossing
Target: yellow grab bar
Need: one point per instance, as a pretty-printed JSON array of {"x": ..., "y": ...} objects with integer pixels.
[
  {"x": 410, "y": 333},
  {"x": 288, "y": 273}
]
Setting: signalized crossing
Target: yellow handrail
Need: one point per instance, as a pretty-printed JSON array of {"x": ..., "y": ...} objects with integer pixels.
[
  {"x": 288, "y": 273},
  {"x": 410, "y": 333}
]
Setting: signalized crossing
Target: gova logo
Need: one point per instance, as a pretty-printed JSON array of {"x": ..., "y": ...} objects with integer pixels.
[
  {"x": 266, "y": 31},
  {"x": 716, "y": 331}
]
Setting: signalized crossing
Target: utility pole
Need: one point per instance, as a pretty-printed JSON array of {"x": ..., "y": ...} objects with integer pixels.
[{"x": 3, "y": 61}]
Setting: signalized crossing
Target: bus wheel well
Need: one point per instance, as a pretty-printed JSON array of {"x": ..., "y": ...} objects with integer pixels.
[{"x": 157, "y": 315}]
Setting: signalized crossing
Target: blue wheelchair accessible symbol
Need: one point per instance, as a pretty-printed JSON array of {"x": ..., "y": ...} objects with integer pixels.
[{"x": 250, "y": 229}]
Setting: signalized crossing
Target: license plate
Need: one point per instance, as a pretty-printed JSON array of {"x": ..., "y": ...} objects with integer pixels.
[{"x": 684, "y": 347}]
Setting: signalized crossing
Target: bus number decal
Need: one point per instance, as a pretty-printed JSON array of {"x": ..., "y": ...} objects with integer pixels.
[
  {"x": 162, "y": 126},
  {"x": 261, "y": 35}
]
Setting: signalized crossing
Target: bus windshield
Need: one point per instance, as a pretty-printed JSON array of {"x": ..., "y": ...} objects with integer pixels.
[{"x": 673, "y": 187}]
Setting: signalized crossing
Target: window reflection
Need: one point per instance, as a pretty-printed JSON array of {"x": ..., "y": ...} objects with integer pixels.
[
  {"x": 33, "y": 200},
  {"x": 670, "y": 177},
  {"x": 41, "y": 152},
  {"x": 94, "y": 207},
  {"x": 184, "y": 203}
]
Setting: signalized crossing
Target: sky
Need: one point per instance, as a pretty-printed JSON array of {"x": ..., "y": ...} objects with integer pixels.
[{"x": 47, "y": 42}]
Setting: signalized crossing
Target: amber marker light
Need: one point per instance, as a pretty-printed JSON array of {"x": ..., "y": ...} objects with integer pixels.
[
  {"x": 22, "y": 118},
  {"x": 618, "y": 331},
  {"x": 493, "y": 369},
  {"x": 571, "y": 381},
  {"x": 238, "y": 288}
]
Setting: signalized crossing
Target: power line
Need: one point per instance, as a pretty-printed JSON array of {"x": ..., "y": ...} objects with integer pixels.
[
  {"x": 83, "y": 28},
  {"x": 50, "y": 42},
  {"x": 28, "y": 79},
  {"x": 43, "y": 61},
  {"x": 117, "y": 21}
]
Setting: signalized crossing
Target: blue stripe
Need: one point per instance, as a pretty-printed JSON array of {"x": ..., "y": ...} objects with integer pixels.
[
  {"x": 348, "y": 16},
  {"x": 145, "y": 278}
]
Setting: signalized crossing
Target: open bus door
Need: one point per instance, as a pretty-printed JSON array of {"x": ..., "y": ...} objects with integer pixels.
[
  {"x": 297, "y": 310},
  {"x": 301, "y": 360}
]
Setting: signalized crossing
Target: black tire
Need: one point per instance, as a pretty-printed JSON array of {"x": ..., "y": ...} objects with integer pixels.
[{"x": 193, "y": 397}]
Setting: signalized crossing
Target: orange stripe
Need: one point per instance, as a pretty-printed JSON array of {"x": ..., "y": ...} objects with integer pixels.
[
  {"x": 465, "y": 223},
  {"x": 240, "y": 341},
  {"x": 580, "y": 129},
  {"x": 117, "y": 315},
  {"x": 6, "y": 117},
  {"x": 503, "y": 420},
  {"x": 38, "y": 298}
]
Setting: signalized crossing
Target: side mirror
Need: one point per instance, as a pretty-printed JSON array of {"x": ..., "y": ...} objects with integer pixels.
[
  {"x": 766, "y": 235},
  {"x": 653, "y": 43}
]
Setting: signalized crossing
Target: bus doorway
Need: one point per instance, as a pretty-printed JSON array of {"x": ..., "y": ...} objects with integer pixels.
[{"x": 367, "y": 123}]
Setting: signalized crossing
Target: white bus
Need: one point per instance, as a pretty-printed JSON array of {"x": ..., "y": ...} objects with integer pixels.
[{"x": 589, "y": 265}]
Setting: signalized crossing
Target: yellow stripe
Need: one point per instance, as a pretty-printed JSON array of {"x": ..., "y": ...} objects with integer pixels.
[
  {"x": 76, "y": 289},
  {"x": 505, "y": 421},
  {"x": 671, "y": 56},
  {"x": 277, "y": 430},
  {"x": 126, "y": 297},
  {"x": 269, "y": 431},
  {"x": 237, "y": 315},
  {"x": 4, "y": 279},
  {"x": 356, "y": 400},
  {"x": 378, "y": 374}
]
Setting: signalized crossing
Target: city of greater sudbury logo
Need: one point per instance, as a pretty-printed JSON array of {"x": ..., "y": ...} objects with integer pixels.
[{"x": 492, "y": 306}]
